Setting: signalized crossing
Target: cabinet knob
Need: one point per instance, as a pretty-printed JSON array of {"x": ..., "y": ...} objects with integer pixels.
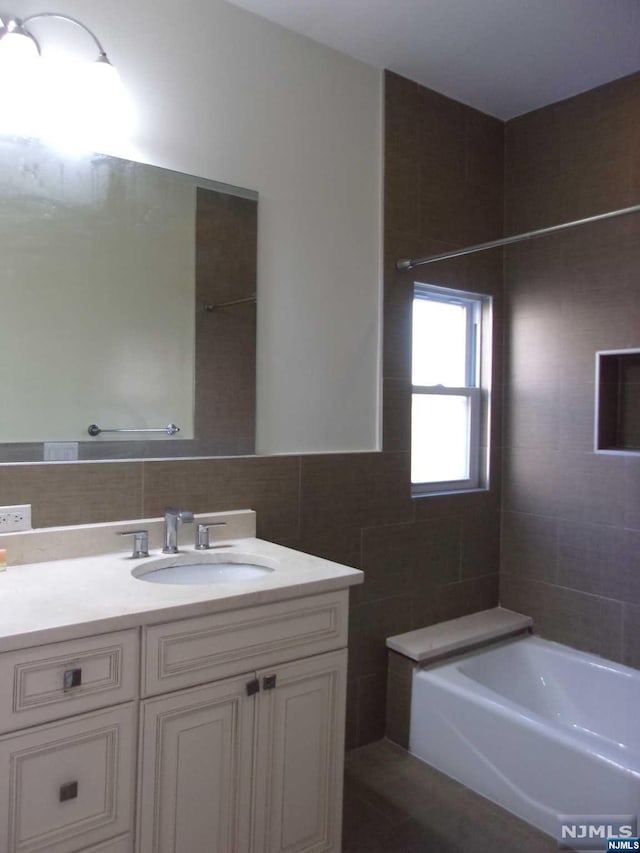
[
  {"x": 253, "y": 687},
  {"x": 269, "y": 682},
  {"x": 72, "y": 678},
  {"x": 68, "y": 791}
]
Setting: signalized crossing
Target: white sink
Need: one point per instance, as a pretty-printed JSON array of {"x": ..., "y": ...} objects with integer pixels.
[{"x": 205, "y": 569}]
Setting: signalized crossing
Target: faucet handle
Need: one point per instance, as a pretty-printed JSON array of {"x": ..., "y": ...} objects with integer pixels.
[
  {"x": 202, "y": 534},
  {"x": 140, "y": 542}
]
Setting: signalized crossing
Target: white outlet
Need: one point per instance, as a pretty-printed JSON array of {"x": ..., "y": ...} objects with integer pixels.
[{"x": 14, "y": 518}]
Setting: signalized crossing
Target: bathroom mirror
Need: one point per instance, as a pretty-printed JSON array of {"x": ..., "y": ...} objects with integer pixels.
[{"x": 128, "y": 298}]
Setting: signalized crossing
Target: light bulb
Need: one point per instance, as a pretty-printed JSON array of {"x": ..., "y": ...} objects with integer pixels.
[
  {"x": 84, "y": 108},
  {"x": 109, "y": 109},
  {"x": 18, "y": 49},
  {"x": 20, "y": 81}
]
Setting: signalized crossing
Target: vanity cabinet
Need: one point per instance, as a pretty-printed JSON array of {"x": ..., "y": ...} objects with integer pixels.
[
  {"x": 232, "y": 723},
  {"x": 250, "y": 763}
]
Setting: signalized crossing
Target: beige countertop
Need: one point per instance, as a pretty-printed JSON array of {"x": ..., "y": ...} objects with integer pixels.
[{"x": 54, "y": 600}]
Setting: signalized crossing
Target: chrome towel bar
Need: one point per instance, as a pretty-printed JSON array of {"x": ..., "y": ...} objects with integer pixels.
[{"x": 170, "y": 429}]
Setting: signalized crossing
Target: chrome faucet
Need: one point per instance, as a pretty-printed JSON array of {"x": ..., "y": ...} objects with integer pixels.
[{"x": 171, "y": 518}]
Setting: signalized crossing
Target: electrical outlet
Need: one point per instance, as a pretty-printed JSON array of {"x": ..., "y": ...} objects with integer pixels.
[
  {"x": 60, "y": 451},
  {"x": 15, "y": 518}
]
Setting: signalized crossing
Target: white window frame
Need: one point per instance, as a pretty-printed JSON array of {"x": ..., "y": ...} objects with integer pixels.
[{"x": 475, "y": 304}]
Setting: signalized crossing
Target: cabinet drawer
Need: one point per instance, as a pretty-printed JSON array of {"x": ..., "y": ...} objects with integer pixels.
[
  {"x": 61, "y": 679},
  {"x": 194, "y": 651},
  {"x": 68, "y": 785}
]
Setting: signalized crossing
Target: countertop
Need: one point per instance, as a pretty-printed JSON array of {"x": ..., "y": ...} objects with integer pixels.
[{"x": 54, "y": 600}]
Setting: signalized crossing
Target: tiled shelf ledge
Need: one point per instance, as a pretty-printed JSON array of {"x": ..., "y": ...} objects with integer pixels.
[{"x": 457, "y": 635}]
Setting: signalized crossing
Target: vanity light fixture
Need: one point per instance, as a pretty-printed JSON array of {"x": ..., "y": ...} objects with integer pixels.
[
  {"x": 16, "y": 40},
  {"x": 49, "y": 96}
]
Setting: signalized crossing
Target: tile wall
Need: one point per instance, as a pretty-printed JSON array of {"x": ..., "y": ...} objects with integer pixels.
[
  {"x": 225, "y": 337},
  {"x": 571, "y": 518}
]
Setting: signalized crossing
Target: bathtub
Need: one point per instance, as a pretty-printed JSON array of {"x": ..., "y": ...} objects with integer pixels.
[{"x": 538, "y": 728}]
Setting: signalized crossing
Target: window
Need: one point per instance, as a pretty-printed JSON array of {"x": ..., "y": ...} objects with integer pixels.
[{"x": 447, "y": 395}]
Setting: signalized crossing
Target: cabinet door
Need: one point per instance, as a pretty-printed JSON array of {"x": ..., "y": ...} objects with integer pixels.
[
  {"x": 300, "y": 756},
  {"x": 195, "y": 778}
]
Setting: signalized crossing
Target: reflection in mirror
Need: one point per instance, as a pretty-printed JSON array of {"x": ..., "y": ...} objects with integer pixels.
[{"x": 129, "y": 301}]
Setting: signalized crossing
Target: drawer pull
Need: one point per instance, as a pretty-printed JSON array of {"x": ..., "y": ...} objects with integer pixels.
[
  {"x": 253, "y": 687},
  {"x": 72, "y": 678},
  {"x": 269, "y": 682},
  {"x": 68, "y": 791}
]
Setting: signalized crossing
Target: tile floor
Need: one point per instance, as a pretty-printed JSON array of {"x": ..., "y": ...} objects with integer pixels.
[{"x": 396, "y": 804}]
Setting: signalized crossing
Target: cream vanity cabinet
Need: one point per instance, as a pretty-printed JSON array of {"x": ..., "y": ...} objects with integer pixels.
[
  {"x": 250, "y": 757},
  {"x": 225, "y": 732},
  {"x": 68, "y": 724}
]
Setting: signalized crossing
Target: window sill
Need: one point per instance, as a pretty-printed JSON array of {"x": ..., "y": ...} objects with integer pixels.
[{"x": 473, "y": 490}]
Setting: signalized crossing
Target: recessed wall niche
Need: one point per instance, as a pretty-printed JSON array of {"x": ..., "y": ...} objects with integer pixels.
[{"x": 618, "y": 401}]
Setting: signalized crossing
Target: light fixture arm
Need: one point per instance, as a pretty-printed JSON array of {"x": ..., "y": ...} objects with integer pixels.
[{"x": 61, "y": 17}]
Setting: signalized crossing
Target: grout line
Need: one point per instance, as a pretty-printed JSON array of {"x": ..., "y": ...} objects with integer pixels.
[
  {"x": 142, "y": 488},
  {"x": 299, "y": 525}
]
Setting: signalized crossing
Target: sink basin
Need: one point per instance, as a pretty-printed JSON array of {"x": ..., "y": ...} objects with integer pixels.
[{"x": 205, "y": 569}]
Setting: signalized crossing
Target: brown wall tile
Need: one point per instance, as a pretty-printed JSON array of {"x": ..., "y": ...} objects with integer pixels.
[
  {"x": 485, "y": 151},
  {"x": 372, "y": 702},
  {"x": 529, "y": 546},
  {"x": 396, "y": 415},
  {"x": 270, "y": 485},
  {"x": 631, "y": 635},
  {"x": 632, "y": 493},
  {"x": 398, "y": 703},
  {"x": 531, "y": 480},
  {"x": 468, "y": 596},
  {"x": 479, "y": 545},
  {"x": 600, "y": 559},
  {"x": 568, "y": 296},
  {"x": 583, "y": 621},
  {"x": 370, "y": 625},
  {"x": 363, "y": 489},
  {"x": 75, "y": 494}
]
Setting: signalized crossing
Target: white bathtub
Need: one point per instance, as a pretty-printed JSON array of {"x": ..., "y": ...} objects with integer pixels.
[{"x": 538, "y": 728}]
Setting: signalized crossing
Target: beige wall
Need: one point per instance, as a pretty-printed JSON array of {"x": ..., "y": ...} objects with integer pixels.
[{"x": 223, "y": 94}]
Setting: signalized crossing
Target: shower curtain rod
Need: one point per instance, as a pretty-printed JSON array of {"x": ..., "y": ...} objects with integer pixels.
[{"x": 407, "y": 264}]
